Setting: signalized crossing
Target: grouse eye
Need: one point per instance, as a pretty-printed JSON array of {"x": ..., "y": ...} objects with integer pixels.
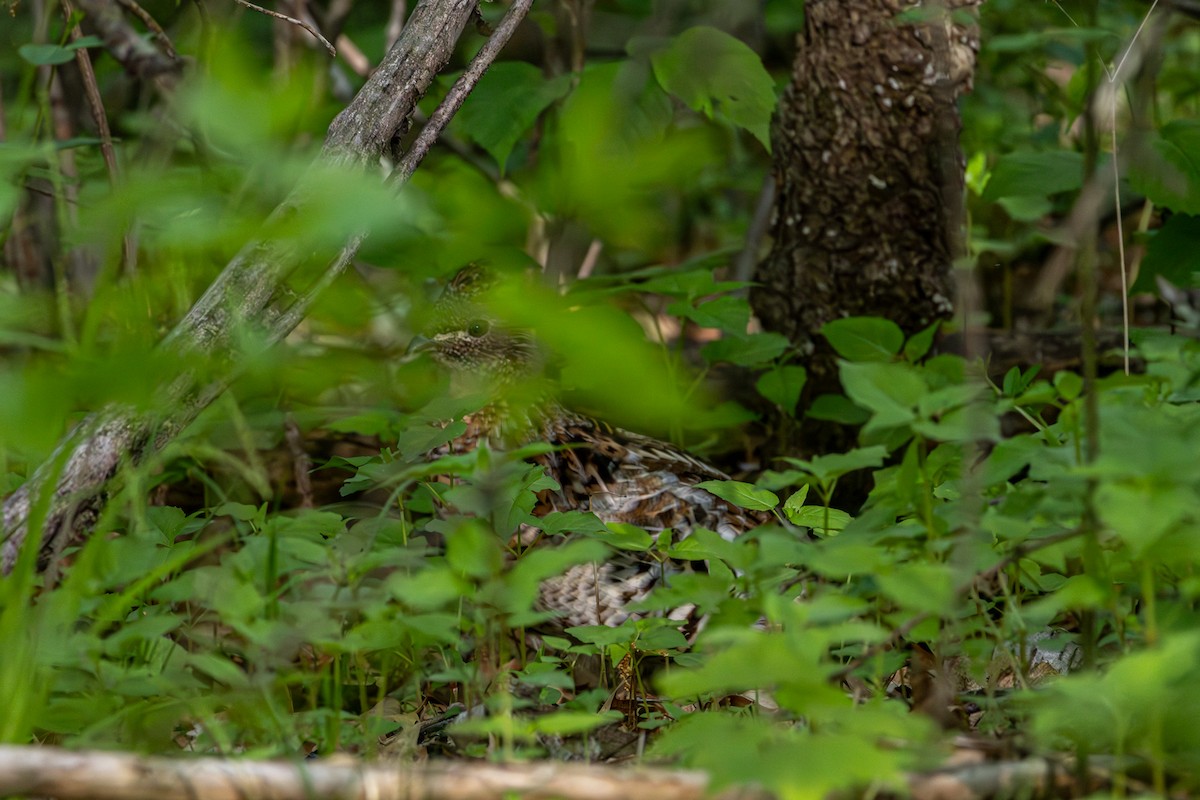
[{"x": 477, "y": 328}]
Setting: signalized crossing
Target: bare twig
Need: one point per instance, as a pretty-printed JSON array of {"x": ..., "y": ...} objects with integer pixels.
[
  {"x": 152, "y": 25},
  {"x": 127, "y": 46},
  {"x": 1091, "y": 203},
  {"x": 91, "y": 90},
  {"x": 747, "y": 260},
  {"x": 462, "y": 87},
  {"x": 301, "y": 463},
  {"x": 353, "y": 55},
  {"x": 299, "y": 23},
  {"x": 395, "y": 23}
]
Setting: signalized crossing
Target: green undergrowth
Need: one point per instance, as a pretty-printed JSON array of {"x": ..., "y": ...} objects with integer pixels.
[
  {"x": 1044, "y": 575},
  {"x": 253, "y": 628}
]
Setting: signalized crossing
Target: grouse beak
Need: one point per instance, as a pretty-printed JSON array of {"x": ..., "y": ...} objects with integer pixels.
[{"x": 417, "y": 345}]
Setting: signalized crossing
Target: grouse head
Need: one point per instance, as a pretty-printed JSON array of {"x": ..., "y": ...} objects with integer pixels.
[{"x": 466, "y": 335}]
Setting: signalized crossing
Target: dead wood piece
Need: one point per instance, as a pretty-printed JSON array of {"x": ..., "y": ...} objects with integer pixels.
[
  {"x": 45, "y": 771},
  {"x": 1031, "y": 778},
  {"x": 90, "y": 775}
]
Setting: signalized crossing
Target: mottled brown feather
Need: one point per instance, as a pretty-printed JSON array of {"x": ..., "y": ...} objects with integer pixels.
[{"x": 618, "y": 475}]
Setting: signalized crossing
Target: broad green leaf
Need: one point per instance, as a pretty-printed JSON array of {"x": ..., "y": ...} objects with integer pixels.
[
  {"x": 793, "y": 503},
  {"x": 741, "y": 494},
  {"x": 1068, "y": 384},
  {"x": 1027, "y": 173},
  {"x": 473, "y": 550},
  {"x": 1169, "y": 171},
  {"x": 921, "y": 587},
  {"x": 829, "y": 467},
  {"x": 706, "y": 545},
  {"x": 571, "y": 723},
  {"x": 731, "y": 314},
  {"x": 603, "y": 635},
  {"x": 557, "y": 522},
  {"x": 891, "y": 391},
  {"x": 864, "y": 338},
  {"x": 747, "y": 351},
  {"x": 505, "y": 104},
  {"x": 624, "y": 536},
  {"x": 239, "y": 511},
  {"x": 1141, "y": 513},
  {"x": 1025, "y": 207},
  {"x": 1173, "y": 252},
  {"x": 819, "y": 518},
  {"x": 43, "y": 55},
  {"x": 919, "y": 343},
  {"x": 963, "y": 424},
  {"x": 718, "y": 75},
  {"x": 837, "y": 408},
  {"x": 782, "y": 386}
]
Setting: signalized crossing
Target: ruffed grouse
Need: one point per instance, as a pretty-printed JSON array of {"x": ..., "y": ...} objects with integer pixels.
[{"x": 618, "y": 475}]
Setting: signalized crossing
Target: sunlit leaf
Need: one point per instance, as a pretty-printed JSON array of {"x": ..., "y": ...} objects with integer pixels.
[
  {"x": 864, "y": 338},
  {"x": 741, "y": 494}
]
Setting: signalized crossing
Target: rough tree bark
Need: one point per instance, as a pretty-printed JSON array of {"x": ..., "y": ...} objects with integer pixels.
[
  {"x": 62, "y": 499},
  {"x": 868, "y": 171}
]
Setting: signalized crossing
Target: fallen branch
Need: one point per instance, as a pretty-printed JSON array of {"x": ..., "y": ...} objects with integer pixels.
[
  {"x": 66, "y": 775},
  {"x": 37, "y": 771},
  {"x": 250, "y": 288}
]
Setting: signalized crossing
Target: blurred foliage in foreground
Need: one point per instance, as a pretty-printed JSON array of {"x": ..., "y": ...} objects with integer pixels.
[{"x": 212, "y": 612}]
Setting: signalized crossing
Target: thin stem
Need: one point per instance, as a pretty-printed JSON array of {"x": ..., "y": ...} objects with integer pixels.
[{"x": 458, "y": 93}]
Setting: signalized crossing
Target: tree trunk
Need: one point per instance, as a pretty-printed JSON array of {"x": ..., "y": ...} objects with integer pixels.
[{"x": 868, "y": 213}]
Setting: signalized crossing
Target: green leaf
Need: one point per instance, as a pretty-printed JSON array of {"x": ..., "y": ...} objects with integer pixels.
[
  {"x": 1173, "y": 252},
  {"x": 919, "y": 343},
  {"x": 1169, "y": 171},
  {"x": 624, "y": 536},
  {"x": 922, "y": 587},
  {"x": 46, "y": 55},
  {"x": 571, "y": 723},
  {"x": 239, "y": 511},
  {"x": 864, "y": 338},
  {"x": 1026, "y": 208},
  {"x": 829, "y": 467},
  {"x": 782, "y": 386},
  {"x": 1068, "y": 384},
  {"x": 746, "y": 351},
  {"x": 891, "y": 391},
  {"x": 730, "y": 314},
  {"x": 718, "y": 75},
  {"x": 505, "y": 104},
  {"x": 53, "y": 54},
  {"x": 796, "y": 501},
  {"x": 741, "y": 494},
  {"x": 558, "y": 522},
  {"x": 1028, "y": 173},
  {"x": 819, "y": 518},
  {"x": 473, "y": 550},
  {"x": 837, "y": 408}
]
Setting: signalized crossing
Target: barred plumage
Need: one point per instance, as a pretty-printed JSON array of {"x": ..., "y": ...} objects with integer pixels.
[{"x": 618, "y": 475}]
